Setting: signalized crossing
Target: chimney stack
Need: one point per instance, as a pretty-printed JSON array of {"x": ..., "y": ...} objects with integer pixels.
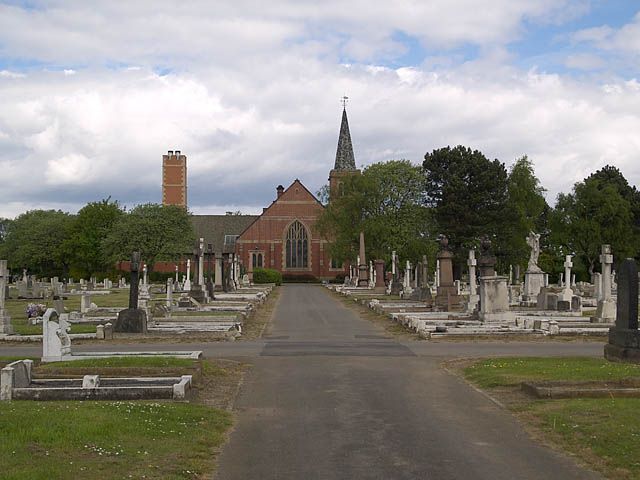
[{"x": 280, "y": 190}]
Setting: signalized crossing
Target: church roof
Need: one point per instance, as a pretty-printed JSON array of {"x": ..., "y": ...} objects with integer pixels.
[
  {"x": 344, "y": 155},
  {"x": 216, "y": 228}
]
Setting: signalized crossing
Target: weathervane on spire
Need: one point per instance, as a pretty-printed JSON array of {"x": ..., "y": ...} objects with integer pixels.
[{"x": 344, "y": 101}]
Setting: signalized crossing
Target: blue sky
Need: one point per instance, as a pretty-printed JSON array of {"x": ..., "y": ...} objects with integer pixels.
[{"x": 91, "y": 95}]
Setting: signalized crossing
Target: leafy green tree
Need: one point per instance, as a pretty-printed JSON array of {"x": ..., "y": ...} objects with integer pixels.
[
  {"x": 158, "y": 232},
  {"x": 527, "y": 209},
  {"x": 468, "y": 194},
  {"x": 38, "y": 241},
  {"x": 386, "y": 203},
  {"x": 601, "y": 209},
  {"x": 93, "y": 223}
]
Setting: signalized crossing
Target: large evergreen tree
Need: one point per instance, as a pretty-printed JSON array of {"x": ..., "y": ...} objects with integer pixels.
[{"x": 468, "y": 194}]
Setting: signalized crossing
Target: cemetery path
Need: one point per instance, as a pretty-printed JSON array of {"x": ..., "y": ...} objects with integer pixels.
[{"x": 330, "y": 397}]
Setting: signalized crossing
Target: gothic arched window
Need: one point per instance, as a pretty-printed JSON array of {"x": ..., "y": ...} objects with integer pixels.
[{"x": 297, "y": 246}]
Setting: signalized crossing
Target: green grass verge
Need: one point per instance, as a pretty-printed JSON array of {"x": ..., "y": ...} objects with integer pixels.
[
  {"x": 129, "y": 362},
  {"x": 495, "y": 372},
  {"x": 608, "y": 428},
  {"x": 603, "y": 432},
  {"x": 106, "y": 440}
]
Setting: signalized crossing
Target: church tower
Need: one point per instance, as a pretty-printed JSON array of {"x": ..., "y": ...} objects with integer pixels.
[
  {"x": 345, "y": 164},
  {"x": 174, "y": 179}
]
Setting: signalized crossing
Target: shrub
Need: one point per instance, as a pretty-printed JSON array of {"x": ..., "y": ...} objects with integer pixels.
[
  {"x": 267, "y": 275},
  {"x": 303, "y": 278}
]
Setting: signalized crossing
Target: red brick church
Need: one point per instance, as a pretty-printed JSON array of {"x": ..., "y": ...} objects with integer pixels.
[{"x": 284, "y": 237}]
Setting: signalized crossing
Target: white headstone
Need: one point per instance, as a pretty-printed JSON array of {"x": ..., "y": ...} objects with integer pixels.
[{"x": 56, "y": 343}]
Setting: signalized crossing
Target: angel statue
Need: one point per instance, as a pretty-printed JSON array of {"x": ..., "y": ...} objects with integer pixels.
[{"x": 533, "y": 240}]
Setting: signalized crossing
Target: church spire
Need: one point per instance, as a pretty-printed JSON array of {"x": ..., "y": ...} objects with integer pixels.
[{"x": 344, "y": 155}]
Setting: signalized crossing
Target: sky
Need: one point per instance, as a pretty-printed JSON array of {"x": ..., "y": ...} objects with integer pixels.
[{"x": 93, "y": 93}]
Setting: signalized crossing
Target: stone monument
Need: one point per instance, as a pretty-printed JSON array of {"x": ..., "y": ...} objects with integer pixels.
[
  {"x": 447, "y": 293},
  {"x": 472, "y": 304},
  {"x": 132, "y": 319},
  {"x": 197, "y": 287},
  {"x": 624, "y": 337},
  {"x": 395, "y": 286},
  {"x": 534, "y": 276},
  {"x": 5, "y": 319},
  {"x": 606, "y": 310},
  {"x": 56, "y": 343},
  {"x": 363, "y": 277},
  {"x": 379, "y": 286},
  {"x": 494, "y": 291}
]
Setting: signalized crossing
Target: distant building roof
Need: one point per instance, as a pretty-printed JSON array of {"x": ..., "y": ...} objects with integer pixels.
[{"x": 214, "y": 228}]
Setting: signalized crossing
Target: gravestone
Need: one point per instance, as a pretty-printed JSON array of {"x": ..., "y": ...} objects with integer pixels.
[
  {"x": 624, "y": 337},
  {"x": 379, "y": 286},
  {"x": 5, "y": 319},
  {"x": 606, "y": 310},
  {"x": 447, "y": 294},
  {"x": 56, "y": 343},
  {"x": 534, "y": 277},
  {"x": 197, "y": 287},
  {"x": 132, "y": 319},
  {"x": 395, "y": 287},
  {"x": 474, "y": 298},
  {"x": 363, "y": 277}
]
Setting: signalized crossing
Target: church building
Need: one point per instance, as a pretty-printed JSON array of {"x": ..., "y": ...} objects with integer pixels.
[{"x": 285, "y": 237}]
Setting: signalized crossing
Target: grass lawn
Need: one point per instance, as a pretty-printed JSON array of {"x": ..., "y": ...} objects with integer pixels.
[
  {"x": 128, "y": 362},
  {"x": 602, "y": 432},
  {"x": 106, "y": 440},
  {"x": 113, "y": 439}
]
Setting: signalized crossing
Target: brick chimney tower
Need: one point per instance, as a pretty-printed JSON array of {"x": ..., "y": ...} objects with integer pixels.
[{"x": 174, "y": 179}]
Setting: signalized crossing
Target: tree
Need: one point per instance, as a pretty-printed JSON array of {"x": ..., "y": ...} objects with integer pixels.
[
  {"x": 468, "y": 194},
  {"x": 93, "y": 224},
  {"x": 528, "y": 210},
  {"x": 386, "y": 203},
  {"x": 600, "y": 209},
  {"x": 158, "y": 232},
  {"x": 38, "y": 241}
]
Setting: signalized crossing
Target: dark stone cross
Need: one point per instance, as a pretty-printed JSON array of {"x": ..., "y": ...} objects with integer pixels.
[
  {"x": 132, "y": 319},
  {"x": 135, "y": 274}
]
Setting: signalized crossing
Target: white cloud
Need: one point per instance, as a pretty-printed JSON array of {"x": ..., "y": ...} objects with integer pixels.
[{"x": 252, "y": 97}]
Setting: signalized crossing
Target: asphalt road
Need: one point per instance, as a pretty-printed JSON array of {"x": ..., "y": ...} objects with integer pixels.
[{"x": 330, "y": 397}]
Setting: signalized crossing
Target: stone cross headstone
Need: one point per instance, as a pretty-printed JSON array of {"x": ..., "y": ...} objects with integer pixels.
[
  {"x": 201, "y": 261},
  {"x": 135, "y": 273},
  {"x": 567, "y": 293},
  {"x": 606, "y": 310},
  {"x": 132, "y": 319}
]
